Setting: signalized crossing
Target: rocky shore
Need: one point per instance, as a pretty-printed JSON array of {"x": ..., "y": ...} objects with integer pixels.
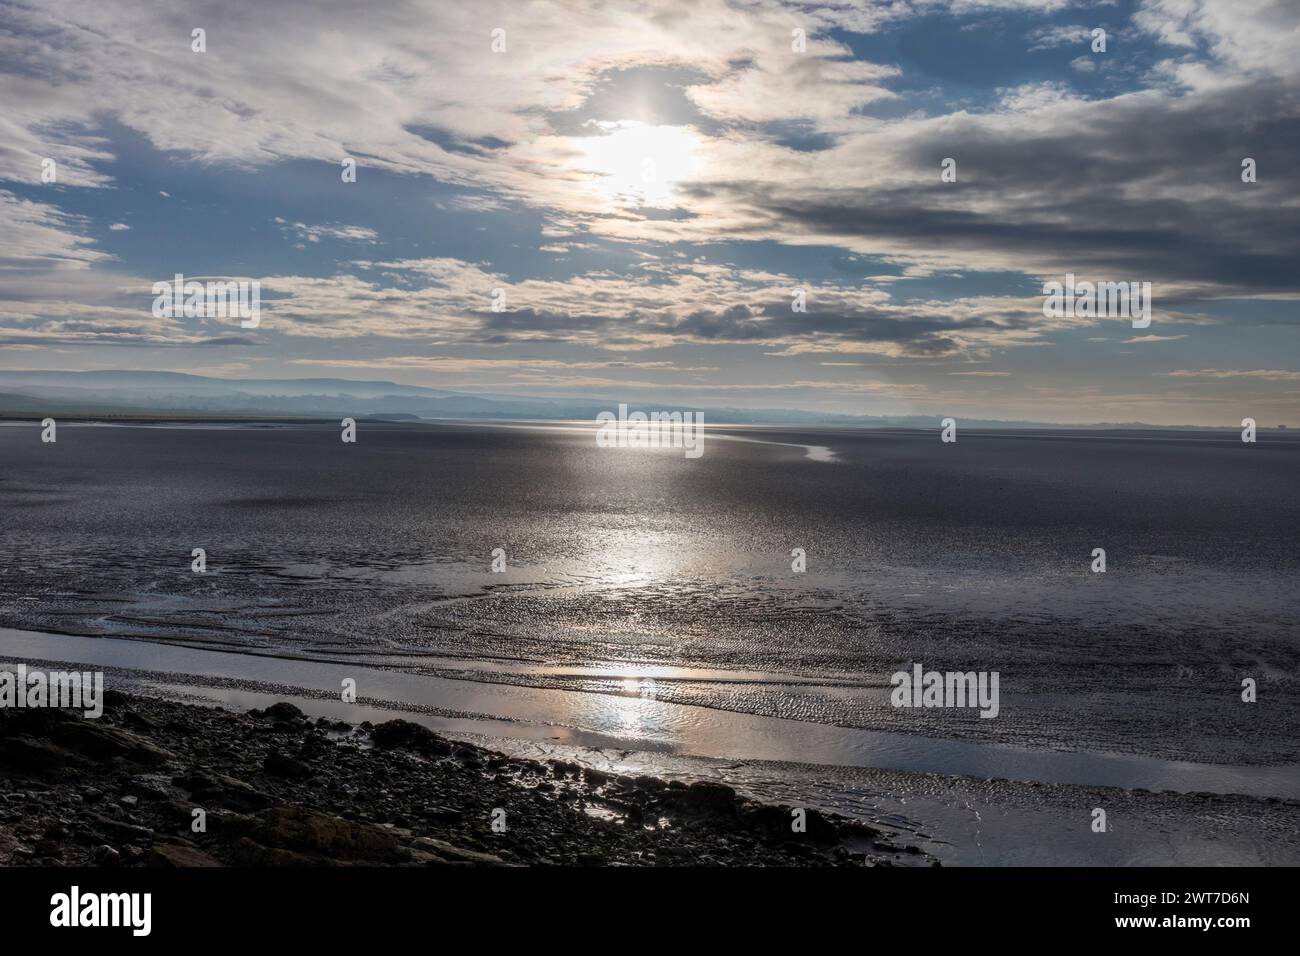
[{"x": 161, "y": 783}]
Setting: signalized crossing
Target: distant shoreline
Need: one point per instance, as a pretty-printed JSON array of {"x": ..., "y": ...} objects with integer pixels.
[{"x": 1027, "y": 430}]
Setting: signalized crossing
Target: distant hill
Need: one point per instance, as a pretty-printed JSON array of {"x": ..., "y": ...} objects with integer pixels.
[{"x": 122, "y": 393}]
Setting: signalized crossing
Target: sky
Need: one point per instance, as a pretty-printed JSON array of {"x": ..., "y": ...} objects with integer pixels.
[{"x": 648, "y": 184}]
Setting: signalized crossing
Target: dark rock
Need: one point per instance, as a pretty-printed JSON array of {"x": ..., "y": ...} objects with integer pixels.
[
  {"x": 409, "y": 736},
  {"x": 105, "y": 855},
  {"x": 125, "y": 832},
  {"x": 177, "y": 810},
  {"x": 442, "y": 814},
  {"x": 468, "y": 758},
  {"x": 282, "y": 765},
  {"x": 710, "y": 795},
  {"x": 284, "y": 711},
  {"x": 775, "y": 823},
  {"x": 222, "y": 791},
  {"x": 149, "y": 787},
  {"x": 249, "y": 852},
  {"x": 446, "y": 853},
  {"x": 314, "y": 799},
  {"x": 139, "y": 722},
  {"x": 35, "y": 722},
  {"x": 39, "y": 756},
  {"x": 116, "y": 700},
  {"x": 300, "y": 834},
  {"x": 173, "y": 854},
  {"x": 102, "y": 743}
]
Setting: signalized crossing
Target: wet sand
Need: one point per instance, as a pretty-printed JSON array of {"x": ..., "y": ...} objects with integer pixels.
[{"x": 1184, "y": 814}]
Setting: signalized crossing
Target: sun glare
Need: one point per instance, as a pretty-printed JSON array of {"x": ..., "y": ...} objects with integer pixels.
[{"x": 635, "y": 164}]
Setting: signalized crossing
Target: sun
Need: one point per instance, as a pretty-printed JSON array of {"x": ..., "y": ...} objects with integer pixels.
[{"x": 635, "y": 164}]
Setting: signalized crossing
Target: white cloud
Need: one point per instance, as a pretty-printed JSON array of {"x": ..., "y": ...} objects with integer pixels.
[
  {"x": 41, "y": 236},
  {"x": 1262, "y": 374},
  {"x": 337, "y": 231}
]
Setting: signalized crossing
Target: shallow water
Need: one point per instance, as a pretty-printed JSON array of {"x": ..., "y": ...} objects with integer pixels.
[
  {"x": 631, "y": 722},
  {"x": 639, "y": 573}
]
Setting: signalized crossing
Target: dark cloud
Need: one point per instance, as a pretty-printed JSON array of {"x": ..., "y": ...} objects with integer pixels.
[{"x": 1141, "y": 187}]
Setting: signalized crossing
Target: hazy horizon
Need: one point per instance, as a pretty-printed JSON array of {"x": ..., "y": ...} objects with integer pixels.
[{"x": 126, "y": 398}]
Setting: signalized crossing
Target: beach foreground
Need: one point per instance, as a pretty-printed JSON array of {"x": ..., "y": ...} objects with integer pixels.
[{"x": 162, "y": 783}]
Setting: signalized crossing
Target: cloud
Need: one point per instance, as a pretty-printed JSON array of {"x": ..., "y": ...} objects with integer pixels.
[
  {"x": 1152, "y": 187},
  {"x": 539, "y": 150},
  {"x": 1246, "y": 36},
  {"x": 1260, "y": 374},
  {"x": 449, "y": 301},
  {"x": 337, "y": 231},
  {"x": 1151, "y": 192},
  {"x": 783, "y": 85},
  {"x": 457, "y": 364},
  {"x": 40, "y": 236},
  {"x": 1050, "y": 37}
]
